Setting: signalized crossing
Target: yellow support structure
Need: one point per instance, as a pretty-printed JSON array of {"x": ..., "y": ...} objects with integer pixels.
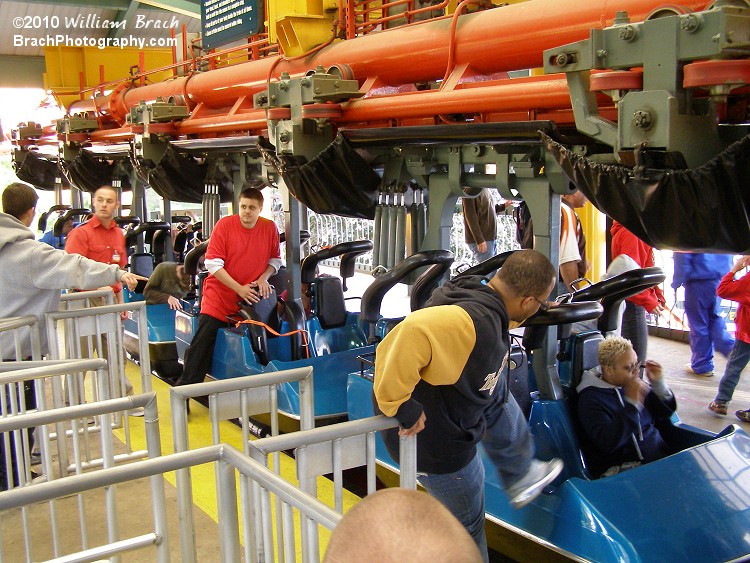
[
  {"x": 593, "y": 223},
  {"x": 71, "y": 68},
  {"x": 299, "y": 25}
]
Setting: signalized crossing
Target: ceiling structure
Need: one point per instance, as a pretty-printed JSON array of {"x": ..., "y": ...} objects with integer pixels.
[{"x": 27, "y": 25}]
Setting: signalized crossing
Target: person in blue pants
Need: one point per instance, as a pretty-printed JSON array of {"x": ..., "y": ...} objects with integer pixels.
[{"x": 701, "y": 274}]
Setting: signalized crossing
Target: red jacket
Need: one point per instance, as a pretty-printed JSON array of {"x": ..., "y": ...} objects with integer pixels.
[
  {"x": 625, "y": 242},
  {"x": 739, "y": 291}
]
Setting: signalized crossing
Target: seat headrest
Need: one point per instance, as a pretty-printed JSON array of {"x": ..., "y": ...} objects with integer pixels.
[
  {"x": 330, "y": 306},
  {"x": 266, "y": 311}
]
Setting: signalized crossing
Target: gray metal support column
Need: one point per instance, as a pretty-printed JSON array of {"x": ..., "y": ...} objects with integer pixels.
[
  {"x": 293, "y": 220},
  {"x": 442, "y": 203},
  {"x": 138, "y": 207},
  {"x": 544, "y": 205}
]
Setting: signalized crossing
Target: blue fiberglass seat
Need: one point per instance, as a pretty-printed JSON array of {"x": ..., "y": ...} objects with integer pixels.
[
  {"x": 551, "y": 420},
  {"x": 332, "y": 328},
  {"x": 266, "y": 344}
]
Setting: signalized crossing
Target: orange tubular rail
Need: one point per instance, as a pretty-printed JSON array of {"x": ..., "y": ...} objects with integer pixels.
[
  {"x": 502, "y": 39},
  {"x": 512, "y": 37}
]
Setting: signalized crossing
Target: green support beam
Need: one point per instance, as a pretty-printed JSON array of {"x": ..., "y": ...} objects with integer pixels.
[{"x": 125, "y": 16}]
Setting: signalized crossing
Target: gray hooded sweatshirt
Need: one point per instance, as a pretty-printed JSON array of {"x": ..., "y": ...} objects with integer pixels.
[{"x": 33, "y": 273}]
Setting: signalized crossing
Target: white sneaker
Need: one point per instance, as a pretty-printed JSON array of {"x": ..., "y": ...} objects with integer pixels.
[
  {"x": 530, "y": 486},
  {"x": 691, "y": 371}
]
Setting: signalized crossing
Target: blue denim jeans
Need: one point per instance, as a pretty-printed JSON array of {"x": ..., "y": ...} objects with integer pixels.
[
  {"x": 482, "y": 256},
  {"x": 635, "y": 329},
  {"x": 462, "y": 493},
  {"x": 509, "y": 445},
  {"x": 738, "y": 359},
  {"x": 708, "y": 330}
]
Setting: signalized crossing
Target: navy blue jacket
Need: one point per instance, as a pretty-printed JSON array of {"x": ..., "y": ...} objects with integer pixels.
[{"x": 611, "y": 426}]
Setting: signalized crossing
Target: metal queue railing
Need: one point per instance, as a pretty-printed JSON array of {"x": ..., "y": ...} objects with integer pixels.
[
  {"x": 16, "y": 447},
  {"x": 323, "y": 451},
  {"x": 20, "y": 339},
  {"x": 97, "y": 331},
  {"x": 22, "y": 527},
  {"x": 237, "y": 398},
  {"x": 229, "y": 463},
  {"x": 15, "y": 333}
]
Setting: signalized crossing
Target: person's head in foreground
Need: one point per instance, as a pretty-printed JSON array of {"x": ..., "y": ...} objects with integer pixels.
[{"x": 400, "y": 525}]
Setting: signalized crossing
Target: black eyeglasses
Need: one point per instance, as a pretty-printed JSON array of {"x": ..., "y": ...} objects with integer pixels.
[{"x": 542, "y": 305}]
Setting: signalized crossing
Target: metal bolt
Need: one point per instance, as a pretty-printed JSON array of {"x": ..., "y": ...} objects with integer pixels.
[
  {"x": 283, "y": 86},
  {"x": 621, "y": 17},
  {"x": 691, "y": 23},
  {"x": 628, "y": 33},
  {"x": 643, "y": 119},
  {"x": 602, "y": 53},
  {"x": 563, "y": 59},
  {"x": 284, "y": 137}
]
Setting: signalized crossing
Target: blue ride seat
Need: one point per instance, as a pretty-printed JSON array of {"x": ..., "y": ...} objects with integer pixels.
[
  {"x": 557, "y": 429},
  {"x": 332, "y": 329},
  {"x": 142, "y": 264},
  {"x": 552, "y": 421},
  {"x": 265, "y": 339}
]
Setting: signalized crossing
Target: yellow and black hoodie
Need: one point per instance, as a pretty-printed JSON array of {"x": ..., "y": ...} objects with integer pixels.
[{"x": 445, "y": 360}]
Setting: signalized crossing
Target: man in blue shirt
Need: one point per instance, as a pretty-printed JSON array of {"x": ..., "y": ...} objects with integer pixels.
[
  {"x": 58, "y": 241},
  {"x": 701, "y": 274}
]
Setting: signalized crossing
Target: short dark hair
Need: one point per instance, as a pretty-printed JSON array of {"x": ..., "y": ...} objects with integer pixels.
[
  {"x": 527, "y": 273},
  {"x": 18, "y": 198},
  {"x": 252, "y": 193}
]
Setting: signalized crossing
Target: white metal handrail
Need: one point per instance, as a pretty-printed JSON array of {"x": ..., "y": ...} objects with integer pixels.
[
  {"x": 240, "y": 397},
  {"x": 326, "y": 450},
  {"x": 18, "y": 423},
  {"x": 229, "y": 463}
]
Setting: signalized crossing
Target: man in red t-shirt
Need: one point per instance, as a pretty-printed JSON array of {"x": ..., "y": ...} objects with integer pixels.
[{"x": 243, "y": 252}]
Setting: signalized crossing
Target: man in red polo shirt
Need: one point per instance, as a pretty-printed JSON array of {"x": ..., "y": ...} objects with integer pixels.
[
  {"x": 243, "y": 252},
  {"x": 102, "y": 240}
]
